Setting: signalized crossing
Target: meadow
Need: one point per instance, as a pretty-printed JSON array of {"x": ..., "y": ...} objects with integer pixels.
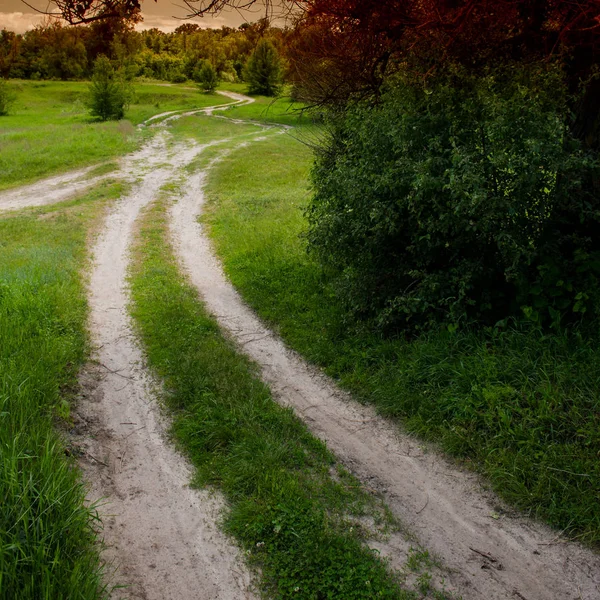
[{"x": 49, "y": 129}]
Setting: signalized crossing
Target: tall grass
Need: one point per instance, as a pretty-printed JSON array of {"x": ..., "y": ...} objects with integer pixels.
[
  {"x": 520, "y": 405},
  {"x": 47, "y": 542}
]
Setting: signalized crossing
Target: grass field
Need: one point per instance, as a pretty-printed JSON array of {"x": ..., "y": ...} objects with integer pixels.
[
  {"x": 47, "y": 541},
  {"x": 297, "y": 523},
  {"x": 520, "y": 405},
  {"x": 49, "y": 129}
]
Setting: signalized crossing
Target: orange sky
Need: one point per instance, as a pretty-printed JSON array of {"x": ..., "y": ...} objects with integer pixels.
[{"x": 17, "y": 16}]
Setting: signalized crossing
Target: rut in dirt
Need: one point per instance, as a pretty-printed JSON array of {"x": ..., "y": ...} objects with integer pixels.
[
  {"x": 161, "y": 535},
  {"x": 445, "y": 508}
]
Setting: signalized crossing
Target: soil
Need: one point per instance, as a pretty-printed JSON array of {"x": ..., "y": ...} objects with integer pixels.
[{"x": 161, "y": 536}]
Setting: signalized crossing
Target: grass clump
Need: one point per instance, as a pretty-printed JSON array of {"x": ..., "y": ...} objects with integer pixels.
[
  {"x": 286, "y": 510},
  {"x": 7, "y": 97},
  {"x": 520, "y": 405},
  {"x": 47, "y": 538}
]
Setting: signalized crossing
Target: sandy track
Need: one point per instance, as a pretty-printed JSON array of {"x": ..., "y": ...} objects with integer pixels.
[
  {"x": 161, "y": 535},
  {"x": 49, "y": 190},
  {"x": 444, "y": 507}
]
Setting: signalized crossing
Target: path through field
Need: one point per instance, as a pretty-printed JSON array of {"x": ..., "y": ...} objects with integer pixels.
[{"x": 162, "y": 536}]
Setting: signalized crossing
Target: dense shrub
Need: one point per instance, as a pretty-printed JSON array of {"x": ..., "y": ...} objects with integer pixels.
[
  {"x": 463, "y": 200},
  {"x": 108, "y": 91},
  {"x": 263, "y": 70}
]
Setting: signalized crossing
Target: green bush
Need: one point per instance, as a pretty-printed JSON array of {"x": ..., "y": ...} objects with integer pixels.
[
  {"x": 464, "y": 200},
  {"x": 207, "y": 77},
  {"x": 7, "y": 97},
  {"x": 109, "y": 93},
  {"x": 263, "y": 70}
]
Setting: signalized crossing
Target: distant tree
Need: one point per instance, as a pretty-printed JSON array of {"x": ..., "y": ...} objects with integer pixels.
[
  {"x": 10, "y": 44},
  {"x": 108, "y": 91},
  {"x": 263, "y": 70},
  {"x": 208, "y": 78}
]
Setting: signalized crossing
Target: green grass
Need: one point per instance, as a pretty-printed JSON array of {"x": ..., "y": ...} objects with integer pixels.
[
  {"x": 47, "y": 541},
  {"x": 267, "y": 110},
  {"x": 49, "y": 129},
  {"x": 293, "y": 519},
  {"x": 521, "y": 406},
  {"x": 205, "y": 129}
]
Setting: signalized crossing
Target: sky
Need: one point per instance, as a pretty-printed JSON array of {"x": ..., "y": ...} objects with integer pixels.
[{"x": 164, "y": 14}]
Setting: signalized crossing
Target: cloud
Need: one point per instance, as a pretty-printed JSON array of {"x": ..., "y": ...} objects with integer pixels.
[
  {"x": 20, "y": 22},
  {"x": 169, "y": 24}
]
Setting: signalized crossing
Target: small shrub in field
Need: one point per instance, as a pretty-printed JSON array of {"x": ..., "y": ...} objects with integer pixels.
[
  {"x": 464, "y": 201},
  {"x": 109, "y": 92},
  {"x": 208, "y": 79},
  {"x": 263, "y": 70},
  {"x": 7, "y": 97}
]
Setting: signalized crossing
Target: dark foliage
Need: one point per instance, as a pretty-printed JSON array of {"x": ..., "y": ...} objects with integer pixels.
[
  {"x": 465, "y": 200},
  {"x": 263, "y": 70}
]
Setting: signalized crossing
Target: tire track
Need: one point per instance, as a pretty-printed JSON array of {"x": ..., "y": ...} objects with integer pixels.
[
  {"x": 161, "y": 535},
  {"x": 444, "y": 507}
]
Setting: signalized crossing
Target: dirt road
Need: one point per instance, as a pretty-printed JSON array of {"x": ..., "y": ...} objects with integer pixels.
[{"x": 161, "y": 535}]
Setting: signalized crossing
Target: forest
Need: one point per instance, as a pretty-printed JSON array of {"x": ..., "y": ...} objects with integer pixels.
[{"x": 63, "y": 52}]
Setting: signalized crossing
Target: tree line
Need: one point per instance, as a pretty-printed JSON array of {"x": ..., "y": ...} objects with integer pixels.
[{"x": 57, "y": 51}]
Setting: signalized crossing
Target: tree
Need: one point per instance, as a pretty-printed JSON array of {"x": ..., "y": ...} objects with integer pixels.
[
  {"x": 108, "y": 92},
  {"x": 459, "y": 203},
  {"x": 263, "y": 70},
  {"x": 207, "y": 77}
]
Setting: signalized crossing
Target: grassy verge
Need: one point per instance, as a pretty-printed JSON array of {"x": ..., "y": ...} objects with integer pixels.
[
  {"x": 49, "y": 129},
  {"x": 267, "y": 110},
  {"x": 520, "y": 405},
  {"x": 47, "y": 542},
  {"x": 298, "y": 515}
]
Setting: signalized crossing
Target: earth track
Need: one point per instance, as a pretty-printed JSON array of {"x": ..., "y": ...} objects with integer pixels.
[
  {"x": 489, "y": 557},
  {"x": 159, "y": 533}
]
